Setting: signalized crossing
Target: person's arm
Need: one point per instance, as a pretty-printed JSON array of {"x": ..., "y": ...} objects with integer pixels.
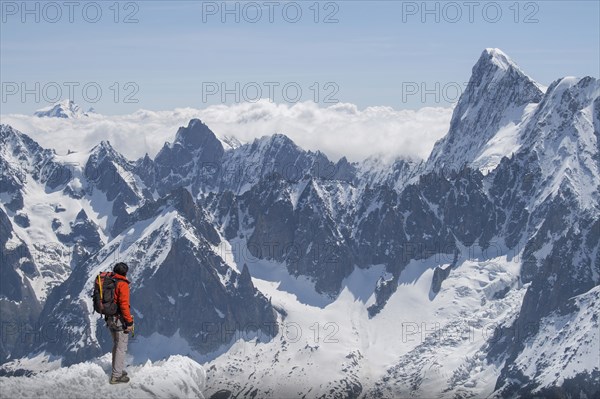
[{"x": 124, "y": 303}]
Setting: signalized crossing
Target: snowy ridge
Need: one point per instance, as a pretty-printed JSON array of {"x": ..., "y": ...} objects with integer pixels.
[
  {"x": 563, "y": 133},
  {"x": 395, "y": 173},
  {"x": 105, "y": 167},
  {"x": 248, "y": 163}
]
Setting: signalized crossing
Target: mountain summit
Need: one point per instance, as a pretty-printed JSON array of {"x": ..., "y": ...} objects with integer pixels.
[
  {"x": 62, "y": 109},
  {"x": 198, "y": 136},
  {"x": 497, "y": 97}
]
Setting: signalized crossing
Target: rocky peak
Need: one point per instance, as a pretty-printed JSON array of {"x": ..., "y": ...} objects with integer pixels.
[
  {"x": 104, "y": 150},
  {"x": 496, "y": 96},
  {"x": 198, "y": 136}
]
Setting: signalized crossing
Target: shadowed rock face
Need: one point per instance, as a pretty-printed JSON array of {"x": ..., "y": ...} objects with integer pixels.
[
  {"x": 13, "y": 287},
  {"x": 296, "y": 223},
  {"x": 82, "y": 230},
  {"x": 190, "y": 160},
  {"x": 206, "y": 313},
  {"x": 18, "y": 303}
]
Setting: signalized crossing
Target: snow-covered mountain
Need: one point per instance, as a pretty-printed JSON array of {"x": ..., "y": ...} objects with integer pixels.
[
  {"x": 471, "y": 274},
  {"x": 63, "y": 109},
  {"x": 201, "y": 161},
  {"x": 486, "y": 122},
  {"x": 172, "y": 251}
]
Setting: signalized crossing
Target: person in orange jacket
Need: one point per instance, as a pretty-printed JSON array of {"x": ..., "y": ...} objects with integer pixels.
[{"x": 120, "y": 324}]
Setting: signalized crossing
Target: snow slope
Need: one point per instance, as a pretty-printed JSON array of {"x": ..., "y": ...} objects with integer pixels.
[
  {"x": 575, "y": 341},
  {"x": 175, "y": 377}
]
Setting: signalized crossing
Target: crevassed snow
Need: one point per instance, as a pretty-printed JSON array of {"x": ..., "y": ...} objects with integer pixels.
[
  {"x": 47, "y": 251},
  {"x": 175, "y": 377}
]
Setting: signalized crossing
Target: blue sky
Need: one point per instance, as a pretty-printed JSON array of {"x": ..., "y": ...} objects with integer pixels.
[{"x": 374, "y": 53}]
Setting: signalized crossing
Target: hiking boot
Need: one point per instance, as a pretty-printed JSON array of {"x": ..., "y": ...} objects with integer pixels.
[
  {"x": 124, "y": 373},
  {"x": 119, "y": 380}
]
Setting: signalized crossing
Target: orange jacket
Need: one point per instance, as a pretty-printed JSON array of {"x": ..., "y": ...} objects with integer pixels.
[{"x": 122, "y": 298}]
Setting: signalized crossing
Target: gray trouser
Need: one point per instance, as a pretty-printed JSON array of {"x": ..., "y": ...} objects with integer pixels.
[{"x": 119, "y": 349}]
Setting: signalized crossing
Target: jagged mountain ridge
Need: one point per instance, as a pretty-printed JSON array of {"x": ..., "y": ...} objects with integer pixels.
[
  {"x": 198, "y": 159},
  {"x": 539, "y": 199}
]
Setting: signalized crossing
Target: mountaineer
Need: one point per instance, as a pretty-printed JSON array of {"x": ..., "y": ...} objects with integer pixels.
[{"x": 111, "y": 299}]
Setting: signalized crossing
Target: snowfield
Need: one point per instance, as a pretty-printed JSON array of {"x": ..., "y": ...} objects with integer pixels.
[
  {"x": 421, "y": 344},
  {"x": 175, "y": 377}
]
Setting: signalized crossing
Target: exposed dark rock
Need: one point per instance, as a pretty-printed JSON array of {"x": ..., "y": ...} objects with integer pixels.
[
  {"x": 21, "y": 219},
  {"x": 18, "y": 303},
  {"x": 439, "y": 275}
]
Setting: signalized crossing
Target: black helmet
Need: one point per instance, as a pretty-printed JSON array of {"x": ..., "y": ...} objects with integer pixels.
[{"x": 121, "y": 268}]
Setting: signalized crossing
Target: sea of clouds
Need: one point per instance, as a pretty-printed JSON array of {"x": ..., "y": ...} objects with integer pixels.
[{"x": 338, "y": 130}]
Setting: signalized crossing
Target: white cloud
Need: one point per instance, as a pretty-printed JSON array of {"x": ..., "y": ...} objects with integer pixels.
[{"x": 338, "y": 130}]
